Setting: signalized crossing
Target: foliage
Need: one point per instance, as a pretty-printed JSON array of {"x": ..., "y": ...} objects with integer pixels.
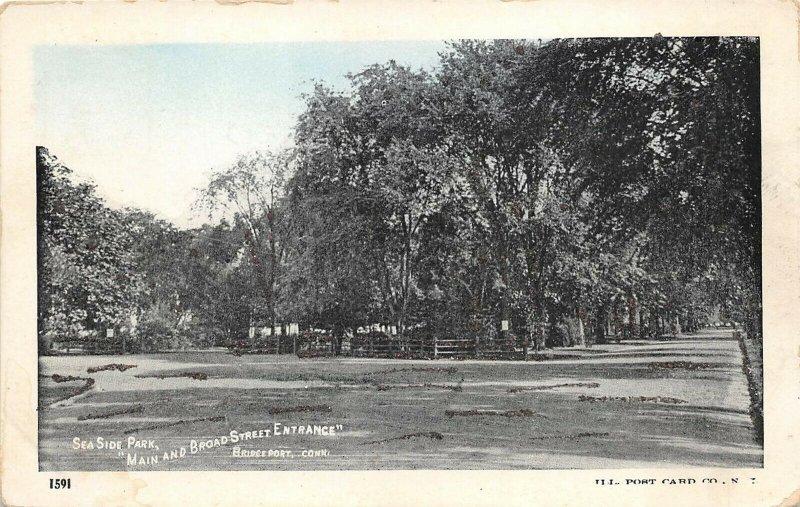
[
  {"x": 570, "y": 188},
  {"x": 87, "y": 280}
]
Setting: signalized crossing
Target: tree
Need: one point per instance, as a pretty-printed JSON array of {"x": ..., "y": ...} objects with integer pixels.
[
  {"x": 87, "y": 278},
  {"x": 250, "y": 192},
  {"x": 375, "y": 154},
  {"x": 571, "y": 187}
]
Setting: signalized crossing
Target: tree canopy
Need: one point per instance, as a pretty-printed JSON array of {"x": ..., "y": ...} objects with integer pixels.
[{"x": 565, "y": 186}]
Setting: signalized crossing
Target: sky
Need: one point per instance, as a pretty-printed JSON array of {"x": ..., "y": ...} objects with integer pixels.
[{"x": 148, "y": 123}]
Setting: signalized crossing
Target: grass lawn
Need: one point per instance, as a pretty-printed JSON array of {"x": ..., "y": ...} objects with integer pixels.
[{"x": 636, "y": 404}]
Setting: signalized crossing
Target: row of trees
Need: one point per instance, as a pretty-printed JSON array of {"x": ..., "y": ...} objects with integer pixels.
[{"x": 565, "y": 187}]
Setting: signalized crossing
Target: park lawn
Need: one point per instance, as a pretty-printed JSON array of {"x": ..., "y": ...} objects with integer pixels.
[{"x": 397, "y": 414}]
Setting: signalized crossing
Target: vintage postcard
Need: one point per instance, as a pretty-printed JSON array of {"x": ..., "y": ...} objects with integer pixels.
[{"x": 400, "y": 253}]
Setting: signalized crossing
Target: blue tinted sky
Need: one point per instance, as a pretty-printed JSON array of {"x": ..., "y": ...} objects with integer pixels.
[{"x": 148, "y": 123}]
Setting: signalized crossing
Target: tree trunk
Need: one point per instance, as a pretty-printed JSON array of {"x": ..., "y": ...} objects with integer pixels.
[
  {"x": 600, "y": 325},
  {"x": 654, "y": 324},
  {"x": 634, "y": 317},
  {"x": 581, "y": 334},
  {"x": 405, "y": 281}
]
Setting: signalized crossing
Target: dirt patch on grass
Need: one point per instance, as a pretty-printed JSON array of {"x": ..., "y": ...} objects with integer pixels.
[
  {"x": 433, "y": 435},
  {"x": 302, "y": 408},
  {"x": 708, "y": 377},
  {"x": 680, "y": 365},
  {"x": 219, "y": 418},
  {"x": 449, "y": 369},
  {"x": 503, "y": 413},
  {"x": 535, "y": 356},
  {"x": 384, "y": 387},
  {"x": 88, "y": 383},
  {"x": 321, "y": 377},
  {"x": 571, "y": 436},
  {"x": 196, "y": 375},
  {"x": 590, "y": 385},
  {"x": 630, "y": 399},
  {"x": 112, "y": 366},
  {"x": 138, "y": 409}
]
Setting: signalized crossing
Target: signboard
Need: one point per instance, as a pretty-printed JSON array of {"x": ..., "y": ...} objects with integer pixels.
[
  {"x": 109, "y": 333},
  {"x": 504, "y": 325}
]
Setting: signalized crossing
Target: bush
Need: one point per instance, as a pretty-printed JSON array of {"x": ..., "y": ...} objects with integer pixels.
[{"x": 559, "y": 335}]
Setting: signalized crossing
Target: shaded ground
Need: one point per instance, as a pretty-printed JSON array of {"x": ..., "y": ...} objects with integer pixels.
[{"x": 607, "y": 407}]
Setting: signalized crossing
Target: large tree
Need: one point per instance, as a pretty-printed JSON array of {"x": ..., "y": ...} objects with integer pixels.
[
  {"x": 250, "y": 193},
  {"x": 87, "y": 276}
]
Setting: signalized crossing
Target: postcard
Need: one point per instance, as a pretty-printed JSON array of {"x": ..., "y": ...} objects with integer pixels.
[{"x": 385, "y": 253}]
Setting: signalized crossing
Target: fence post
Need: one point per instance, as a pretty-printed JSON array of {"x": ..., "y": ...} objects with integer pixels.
[{"x": 435, "y": 347}]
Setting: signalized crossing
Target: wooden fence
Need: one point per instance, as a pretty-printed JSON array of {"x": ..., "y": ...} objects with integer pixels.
[
  {"x": 383, "y": 346},
  {"x": 281, "y": 344},
  {"x": 423, "y": 348},
  {"x": 89, "y": 346}
]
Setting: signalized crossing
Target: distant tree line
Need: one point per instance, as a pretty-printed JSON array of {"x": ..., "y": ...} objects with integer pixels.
[{"x": 571, "y": 188}]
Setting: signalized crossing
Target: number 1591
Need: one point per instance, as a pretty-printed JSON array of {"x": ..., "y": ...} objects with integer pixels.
[{"x": 60, "y": 483}]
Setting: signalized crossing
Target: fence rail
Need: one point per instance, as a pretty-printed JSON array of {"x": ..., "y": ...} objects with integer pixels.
[
  {"x": 411, "y": 347},
  {"x": 361, "y": 345}
]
